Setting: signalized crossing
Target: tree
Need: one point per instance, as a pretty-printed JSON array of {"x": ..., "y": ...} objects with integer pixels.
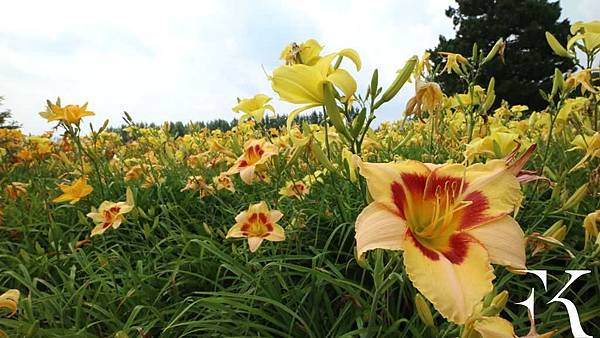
[
  {"x": 5, "y": 116},
  {"x": 529, "y": 61}
]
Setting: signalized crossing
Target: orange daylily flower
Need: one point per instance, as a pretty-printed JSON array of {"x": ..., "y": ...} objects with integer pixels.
[
  {"x": 74, "y": 192},
  {"x": 450, "y": 220},
  {"x": 256, "y": 154},
  {"x": 257, "y": 224},
  {"x": 110, "y": 214}
]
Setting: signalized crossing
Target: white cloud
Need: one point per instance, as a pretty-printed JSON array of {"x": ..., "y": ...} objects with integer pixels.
[{"x": 189, "y": 60}]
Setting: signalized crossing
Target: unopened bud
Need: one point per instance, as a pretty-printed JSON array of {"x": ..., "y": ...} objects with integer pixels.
[
  {"x": 423, "y": 310},
  {"x": 401, "y": 78},
  {"x": 576, "y": 198},
  {"x": 556, "y": 46}
]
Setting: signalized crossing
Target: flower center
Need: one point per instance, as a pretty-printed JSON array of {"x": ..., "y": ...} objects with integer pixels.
[{"x": 258, "y": 225}]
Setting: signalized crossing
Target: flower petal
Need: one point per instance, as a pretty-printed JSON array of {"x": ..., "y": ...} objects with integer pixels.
[
  {"x": 277, "y": 235},
  {"x": 379, "y": 228},
  {"x": 456, "y": 288},
  {"x": 254, "y": 243},
  {"x": 247, "y": 174},
  {"x": 494, "y": 327},
  {"x": 9, "y": 300},
  {"x": 344, "y": 81},
  {"x": 394, "y": 184},
  {"x": 504, "y": 240}
]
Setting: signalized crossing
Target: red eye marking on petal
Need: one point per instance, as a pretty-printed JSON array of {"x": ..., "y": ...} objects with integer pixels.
[
  {"x": 253, "y": 218},
  {"x": 424, "y": 250},
  {"x": 474, "y": 214},
  {"x": 459, "y": 246},
  {"x": 399, "y": 198},
  {"x": 242, "y": 163},
  {"x": 263, "y": 218},
  {"x": 415, "y": 184},
  {"x": 106, "y": 225},
  {"x": 450, "y": 183}
]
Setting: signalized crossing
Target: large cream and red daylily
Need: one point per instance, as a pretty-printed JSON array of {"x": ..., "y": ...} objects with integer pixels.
[
  {"x": 110, "y": 214},
  {"x": 256, "y": 154},
  {"x": 257, "y": 224},
  {"x": 450, "y": 220}
]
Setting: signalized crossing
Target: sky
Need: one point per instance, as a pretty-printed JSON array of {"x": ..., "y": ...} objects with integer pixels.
[{"x": 190, "y": 60}]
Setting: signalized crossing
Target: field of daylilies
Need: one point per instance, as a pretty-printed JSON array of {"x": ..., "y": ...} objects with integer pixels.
[{"x": 422, "y": 227}]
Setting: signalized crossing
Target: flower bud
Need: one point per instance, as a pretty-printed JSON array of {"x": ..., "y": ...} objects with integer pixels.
[
  {"x": 557, "y": 48},
  {"x": 423, "y": 310},
  {"x": 401, "y": 78},
  {"x": 493, "y": 51},
  {"x": 576, "y": 198}
]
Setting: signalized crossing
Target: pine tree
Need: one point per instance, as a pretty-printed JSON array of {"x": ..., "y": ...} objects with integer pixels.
[{"x": 529, "y": 61}]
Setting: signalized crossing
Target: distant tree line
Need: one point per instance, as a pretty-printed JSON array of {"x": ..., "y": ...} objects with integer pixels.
[{"x": 179, "y": 128}]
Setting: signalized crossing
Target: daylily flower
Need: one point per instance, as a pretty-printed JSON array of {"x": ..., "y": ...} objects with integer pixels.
[
  {"x": 306, "y": 53},
  {"x": 451, "y": 221},
  {"x": 303, "y": 84},
  {"x": 15, "y": 190},
  {"x": 591, "y": 145},
  {"x": 223, "y": 181},
  {"x": 74, "y": 192},
  {"x": 258, "y": 224},
  {"x": 254, "y": 107},
  {"x": 453, "y": 62},
  {"x": 70, "y": 114},
  {"x": 9, "y": 300},
  {"x": 297, "y": 189},
  {"x": 197, "y": 183},
  {"x": 583, "y": 78},
  {"x": 110, "y": 214},
  {"x": 256, "y": 154},
  {"x": 428, "y": 97}
]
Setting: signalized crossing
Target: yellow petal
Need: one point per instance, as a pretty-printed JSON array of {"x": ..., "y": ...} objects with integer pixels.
[
  {"x": 9, "y": 300},
  {"x": 454, "y": 289},
  {"x": 494, "y": 327},
  {"x": 379, "y": 228},
  {"x": 344, "y": 81},
  {"x": 298, "y": 84},
  {"x": 504, "y": 241},
  {"x": 277, "y": 235},
  {"x": 352, "y": 55}
]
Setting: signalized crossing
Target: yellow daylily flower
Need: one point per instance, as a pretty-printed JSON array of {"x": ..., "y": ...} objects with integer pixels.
[
  {"x": 110, "y": 214},
  {"x": 306, "y": 53},
  {"x": 70, "y": 114},
  {"x": 582, "y": 77},
  {"x": 453, "y": 62},
  {"x": 589, "y": 32},
  {"x": 497, "y": 145},
  {"x": 9, "y": 300},
  {"x": 257, "y": 224},
  {"x": 303, "y": 84},
  {"x": 429, "y": 97},
  {"x": 591, "y": 145},
  {"x": 256, "y": 154},
  {"x": 254, "y": 107},
  {"x": 451, "y": 221},
  {"x": 74, "y": 192}
]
